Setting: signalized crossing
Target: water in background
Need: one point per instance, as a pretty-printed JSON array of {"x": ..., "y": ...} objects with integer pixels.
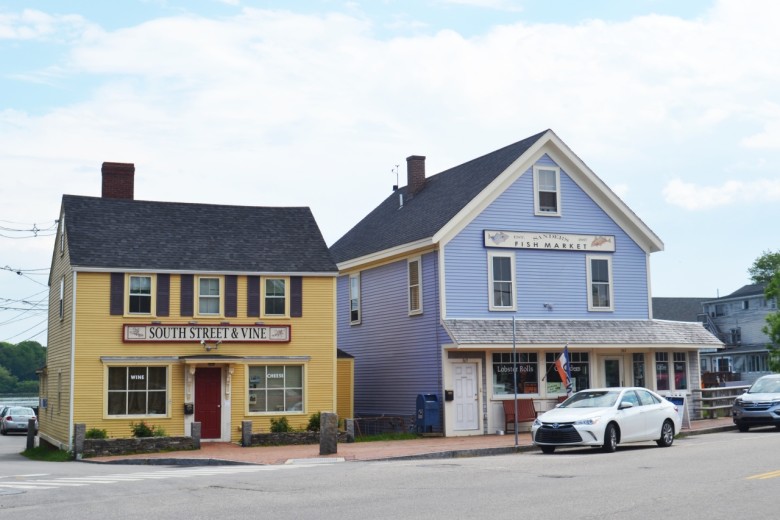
[{"x": 19, "y": 400}]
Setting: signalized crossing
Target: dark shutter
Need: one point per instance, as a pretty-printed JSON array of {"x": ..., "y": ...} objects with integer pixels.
[
  {"x": 231, "y": 296},
  {"x": 253, "y": 296},
  {"x": 187, "y": 295},
  {"x": 117, "y": 305},
  {"x": 163, "y": 295},
  {"x": 296, "y": 296}
]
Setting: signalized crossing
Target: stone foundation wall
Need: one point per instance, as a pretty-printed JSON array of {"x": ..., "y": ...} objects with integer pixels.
[
  {"x": 108, "y": 447},
  {"x": 287, "y": 438}
]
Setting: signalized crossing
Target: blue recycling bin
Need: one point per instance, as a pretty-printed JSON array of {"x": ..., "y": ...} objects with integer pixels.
[{"x": 428, "y": 417}]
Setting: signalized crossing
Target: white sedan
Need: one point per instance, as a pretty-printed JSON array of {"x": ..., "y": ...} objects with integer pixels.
[{"x": 605, "y": 417}]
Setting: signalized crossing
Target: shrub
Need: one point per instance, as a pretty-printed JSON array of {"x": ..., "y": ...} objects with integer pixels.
[
  {"x": 280, "y": 425},
  {"x": 314, "y": 423},
  {"x": 96, "y": 433},
  {"x": 144, "y": 430}
]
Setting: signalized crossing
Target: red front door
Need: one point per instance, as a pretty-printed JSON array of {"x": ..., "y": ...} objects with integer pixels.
[{"x": 208, "y": 406}]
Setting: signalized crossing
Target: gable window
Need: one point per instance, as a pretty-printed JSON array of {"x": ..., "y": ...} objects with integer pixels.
[
  {"x": 547, "y": 190},
  {"x": 599, "y": 283},
  {"x": 501, "y": 268},
  {"x": 62, "y": 236},
  {"x": 354, "y": 298},
  {"x": 276, "y": 388},
  {"x": 415, "y": 286},
  {"x": 209, "y": 296},
  {"x": 137, "y": 390},
  {"x": 140, "y": 296},
  {"x": 62, "y": 297},
  {"x": 274, "y": 297}
]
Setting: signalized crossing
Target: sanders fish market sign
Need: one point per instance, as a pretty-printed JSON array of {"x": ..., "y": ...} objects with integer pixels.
[
  {"x": 550, "y": 241},
  {"x": 224, "y": 333}
]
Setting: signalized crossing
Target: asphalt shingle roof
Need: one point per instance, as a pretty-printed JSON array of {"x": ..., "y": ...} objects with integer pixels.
[
  {"x": 422, "y": 215},
  {"x": 677, "y": 309},
  {"x": 580, "y": 332},
  {"x": 173, "y": 236}
]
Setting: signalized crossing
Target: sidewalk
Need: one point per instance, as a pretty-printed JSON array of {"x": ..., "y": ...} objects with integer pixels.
[{"x": 218, "y": 453}]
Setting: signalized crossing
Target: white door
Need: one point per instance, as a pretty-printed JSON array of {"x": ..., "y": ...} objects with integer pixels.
[
  {"x": 613, "y": 371},
  {"x": 466, "y": 398}
]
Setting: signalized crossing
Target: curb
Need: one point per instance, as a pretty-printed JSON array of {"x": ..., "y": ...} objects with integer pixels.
[{"x": 171, "y": 462}]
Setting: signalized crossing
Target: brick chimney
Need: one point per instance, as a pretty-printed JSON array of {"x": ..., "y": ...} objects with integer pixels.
[
  {"x": 415, "y": 174},
  {"x": 118, "y": 180}
]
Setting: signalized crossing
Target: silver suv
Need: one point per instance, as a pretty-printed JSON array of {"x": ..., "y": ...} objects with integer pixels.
[{"x": 760, "y": 405}]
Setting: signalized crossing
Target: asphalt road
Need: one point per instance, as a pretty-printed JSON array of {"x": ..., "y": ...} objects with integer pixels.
[{"x": 721, "y": 475}]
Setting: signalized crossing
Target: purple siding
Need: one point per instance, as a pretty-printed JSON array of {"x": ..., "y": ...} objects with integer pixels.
[
  {"x": 557, "y": 277},
  {"x": 397, "y": 356}
]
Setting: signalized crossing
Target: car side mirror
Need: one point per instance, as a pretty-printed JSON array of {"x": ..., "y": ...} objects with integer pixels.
[{"x": 624, "y": 405}]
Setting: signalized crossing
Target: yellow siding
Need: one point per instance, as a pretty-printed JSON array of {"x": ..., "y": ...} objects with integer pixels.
[{"x": 98, "y": 334}]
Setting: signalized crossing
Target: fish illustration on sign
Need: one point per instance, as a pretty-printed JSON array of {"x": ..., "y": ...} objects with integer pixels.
[
  {"x": 599, "y": 241},
  {"x": 499, "y": 237}
]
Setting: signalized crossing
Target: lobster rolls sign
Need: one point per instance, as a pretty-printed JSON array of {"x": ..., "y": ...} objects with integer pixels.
[
  {"x": 223, "y": 333},
  {"x": 552, "y": 241}
]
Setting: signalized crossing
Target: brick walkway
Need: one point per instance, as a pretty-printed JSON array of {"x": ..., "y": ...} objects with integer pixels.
[{"x": 426, "y": 447}]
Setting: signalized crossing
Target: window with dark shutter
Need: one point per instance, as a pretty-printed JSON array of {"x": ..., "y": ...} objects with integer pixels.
[
  {"x": 187, "y": 295},
  {"x": 163, "y": 294},
  {"x": 231, "y": 296},
  {"x": 296, "y": 296},
  {"x": 253, "y": 296},
  {"x": 117, "y": 302}
]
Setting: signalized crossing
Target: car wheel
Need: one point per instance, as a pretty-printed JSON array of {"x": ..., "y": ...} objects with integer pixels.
[
  {"x": 667, "y": 435},
  {"x": 742, "y": 427},
  {"x": 610, "y": 439},
  {"x": 548, "y": 449}
]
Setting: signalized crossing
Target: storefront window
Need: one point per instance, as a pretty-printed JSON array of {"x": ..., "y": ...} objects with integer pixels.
[
  {"x": 680, "y": 371},
  {"x": 527, "y": 374},
  {"x": 639, "y": 370},
  {"x": 662, "y": 371},
  {"x": 137, "y": 390},
  {"x": 276, "y": 388},
  {"x": 580, "y": 372}
]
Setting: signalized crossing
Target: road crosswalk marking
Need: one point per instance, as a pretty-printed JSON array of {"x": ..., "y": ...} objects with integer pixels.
[{"x": 32, "y": 482}]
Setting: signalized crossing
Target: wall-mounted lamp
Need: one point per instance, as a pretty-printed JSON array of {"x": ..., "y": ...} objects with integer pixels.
[
  {"x": 208, "y": 347},
  {"x": 548, "y": 306}
]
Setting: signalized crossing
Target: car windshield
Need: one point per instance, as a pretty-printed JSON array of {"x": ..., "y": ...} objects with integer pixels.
[
  {"x": 766, "y": 386},
  {"x": 600, "y": 399},
  {"x": 20, "y": 411}
]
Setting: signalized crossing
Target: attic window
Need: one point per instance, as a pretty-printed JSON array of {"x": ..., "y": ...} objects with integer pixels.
[{"x": 547, "y": 191}]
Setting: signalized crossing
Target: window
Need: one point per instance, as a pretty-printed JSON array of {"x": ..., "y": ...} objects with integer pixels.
[
  {"x": 209, "y": 296},
  {"x": 62, "y": 297},
  {"x": 680, "y": 371},
  {"x": 720, "y": 310},
  {"x": 415, "y": 286},
  {"x": 501, "y": 267},
  {"x": 276, "y": 388},
  {"x": 662, "y": 371},
  {"x": 354, "y": 298},
  {"x": 547, "y": 189},
  {"x": 600, "y": 283},
  {"x": 140, "y": 297},
  {"x": 745, "y": 305},
  {"x": 735, "y": 336},
  {"x": 62, "y": 236},
  {"x": 580, "y": 370},
  {"x": 275, "y": 297},
  {"x": 137, "y": 390},
  {"x": 639, "y": 370},
  {"x": 503, "y": 373}
]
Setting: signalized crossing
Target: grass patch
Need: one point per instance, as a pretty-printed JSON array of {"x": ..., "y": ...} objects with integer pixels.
[
  {"x": 397, "y": 436},
  {"x": 47, "y": 455}
]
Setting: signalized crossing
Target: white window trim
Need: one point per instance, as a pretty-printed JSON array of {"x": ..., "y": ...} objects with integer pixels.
[
  {"x": 152, "y": 295},
  {"x": 62, "y": 236},
  {"x": 62, "y": 299},
  {"x": 591, "y": 307},
  {"x": 263, "y": 295},
  {"x": 511, "y": 256},
  {"x": 418, "y": 261},
  {"x": 221, "y": 312},
  {"x": 537, "y": 209},
  {"x": 359, "y": 303}
]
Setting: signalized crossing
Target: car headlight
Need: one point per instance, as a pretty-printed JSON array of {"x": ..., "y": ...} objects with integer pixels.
[
  {"x": 589, "y": 422},
  {"x": 537, "y": 422}
]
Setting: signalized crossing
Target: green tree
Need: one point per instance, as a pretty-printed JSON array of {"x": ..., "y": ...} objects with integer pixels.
[
  {"x": 772, "y": 327},
  {"x": 7, "y": 381},
  {"x": 765, "y": 267},
  {"x": 23, "y": 359}
]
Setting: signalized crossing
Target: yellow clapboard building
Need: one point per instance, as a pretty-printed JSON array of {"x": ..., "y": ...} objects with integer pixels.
[{"x": 173, "y": 313}]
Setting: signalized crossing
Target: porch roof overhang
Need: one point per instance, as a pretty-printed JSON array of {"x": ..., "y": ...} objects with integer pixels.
[{"x": 469, "y": 334}]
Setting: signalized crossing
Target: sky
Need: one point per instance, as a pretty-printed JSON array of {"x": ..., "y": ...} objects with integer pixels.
[{"x": 675, "y": 105}]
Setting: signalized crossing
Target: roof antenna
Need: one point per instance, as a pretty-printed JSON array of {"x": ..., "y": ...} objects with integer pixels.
[{"x": 395, "y": 171}]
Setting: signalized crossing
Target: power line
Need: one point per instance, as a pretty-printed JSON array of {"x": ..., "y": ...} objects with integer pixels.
[{"x": 27, "y": 330}]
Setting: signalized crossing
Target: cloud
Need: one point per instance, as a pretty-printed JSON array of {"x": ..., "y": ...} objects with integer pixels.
[
  {"x": 693, "y": 197},
  {"x": 37, "y": 25},
  {"x": 498, "y": 5}
]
